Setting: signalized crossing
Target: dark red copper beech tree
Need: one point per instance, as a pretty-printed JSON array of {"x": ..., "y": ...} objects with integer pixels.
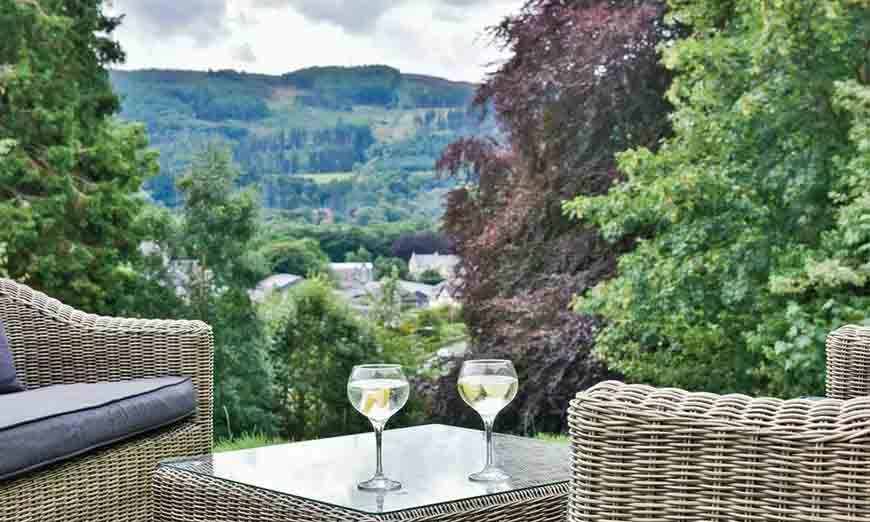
[{"x": 583, "y": 83}]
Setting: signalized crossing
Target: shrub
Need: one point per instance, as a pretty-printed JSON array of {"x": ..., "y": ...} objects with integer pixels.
[
  {"x": 384, "y": 267},
  {"x": 298, "y": 257},
  {"x": 430, "y": 277},
  {"x": 360, "y": 255},
  {"x": 316, "y": 343},
  {"x": 433, "y": 320}
]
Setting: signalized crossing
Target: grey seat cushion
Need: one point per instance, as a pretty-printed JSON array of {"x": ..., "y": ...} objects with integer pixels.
[{"x": 46, "y": 425}]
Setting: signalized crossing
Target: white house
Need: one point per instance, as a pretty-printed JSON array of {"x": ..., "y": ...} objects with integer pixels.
[
  {"x": 443, "y": 264},
  {"x": 353, "y": 274},
  {"x": 184, "y": 274}
]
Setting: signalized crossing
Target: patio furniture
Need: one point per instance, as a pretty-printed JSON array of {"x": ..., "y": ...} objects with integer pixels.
[
  {"x": 316, "y": 481},
  {"x": 54, "y": 345},
  {"x": 646, "y": 454}
]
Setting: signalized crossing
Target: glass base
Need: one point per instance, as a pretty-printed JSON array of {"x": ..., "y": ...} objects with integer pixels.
[
  {"x": 379, "y": 484},
  {"x": 489, "y": 475}
]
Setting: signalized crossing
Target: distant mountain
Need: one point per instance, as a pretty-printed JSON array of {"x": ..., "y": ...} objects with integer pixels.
[{"x": 320, "y": 120}]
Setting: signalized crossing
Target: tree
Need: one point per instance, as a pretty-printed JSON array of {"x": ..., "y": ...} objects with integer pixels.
[
  {"x": 582, "y": 82},
  {"x": 361, "y": 255},
  {"x": 70, "y": 174},
  {"x": 753, "y": 218},
  {"x": 387, "y": 306},
  {"x": 214, "y": 246},
  {"x": 384, "y": 266},
  {"x": 420, "y": 243},
  {"x": 298, "y": 256},
  {"x": 431, "y": 277},
  {"x": 317, "y": 343}
]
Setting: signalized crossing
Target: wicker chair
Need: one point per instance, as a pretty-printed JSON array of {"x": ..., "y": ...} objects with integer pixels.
[
  {"x": 647, "y": 454},
  {"x": 55, "y": 344}
]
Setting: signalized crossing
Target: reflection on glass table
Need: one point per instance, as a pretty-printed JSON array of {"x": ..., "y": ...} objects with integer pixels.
[{"x": 432, "y": 463}]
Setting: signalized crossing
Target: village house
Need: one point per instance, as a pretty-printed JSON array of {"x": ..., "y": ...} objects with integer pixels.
[
  {"x": 445, "y": 265},
  {"x": 278, "y": 283},
  {"x": 353, "y": 274}
]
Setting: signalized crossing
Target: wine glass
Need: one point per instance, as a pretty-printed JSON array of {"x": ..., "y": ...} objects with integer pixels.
[
  {"x": 378, "y": 391},
  {"x": 488, "y": 386}
]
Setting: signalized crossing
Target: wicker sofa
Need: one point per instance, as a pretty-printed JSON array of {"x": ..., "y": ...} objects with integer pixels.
[
  {"x": 648, "y": 454},
  {"x": 54, "y": 344}
]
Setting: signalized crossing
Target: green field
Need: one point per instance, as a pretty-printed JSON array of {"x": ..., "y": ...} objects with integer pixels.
[{"x": 328, "y": 177}]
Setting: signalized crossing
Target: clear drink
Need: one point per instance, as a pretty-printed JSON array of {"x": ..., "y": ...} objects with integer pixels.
[
  {"x": 378, "y": 399},
  {"x": 488, "y": 385},
  {"x": 488, "y": 394},
  {"x": 378, "y": 391}
]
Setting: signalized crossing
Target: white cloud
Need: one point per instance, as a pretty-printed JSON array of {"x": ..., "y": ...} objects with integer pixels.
[
  {"x": 244, "y": 53},
  {"x": 438, "y": 37},
  {"x": 202, "y": 21},
  {"x": 354, "y": 17}
]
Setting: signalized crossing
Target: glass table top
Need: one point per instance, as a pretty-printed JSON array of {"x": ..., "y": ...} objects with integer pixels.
[{"x": 432, "y": 463}]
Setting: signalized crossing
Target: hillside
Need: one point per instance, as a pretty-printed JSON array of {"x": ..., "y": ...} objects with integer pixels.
[{"x": 287, "y": 131}]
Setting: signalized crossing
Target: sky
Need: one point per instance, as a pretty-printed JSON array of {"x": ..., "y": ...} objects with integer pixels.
[{"x": 444, "y": 38}]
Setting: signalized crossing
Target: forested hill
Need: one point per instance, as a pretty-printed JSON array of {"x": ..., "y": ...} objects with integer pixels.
[{"x": 286, "y": 130}]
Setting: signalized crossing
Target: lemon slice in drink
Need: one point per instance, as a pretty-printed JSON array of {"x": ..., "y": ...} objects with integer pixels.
[
  {"x": 498, "y": 390},
  {"x": 372, "y": 399},
  {"x": 472, "y": 391}
]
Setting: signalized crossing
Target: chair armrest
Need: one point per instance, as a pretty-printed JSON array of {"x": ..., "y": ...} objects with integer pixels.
[
  {"x": 642, "y": 453},
  {"x": 848, "y": 354},
  {"x": 53, "y": 343}
]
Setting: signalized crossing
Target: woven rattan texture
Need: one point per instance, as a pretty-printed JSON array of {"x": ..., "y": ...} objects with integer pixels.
[
  {"x": 642, "y": 454},
  {"x": 181, "y": 496},
  {"x": 55, "y": 344},
  {"x": 849, "y": 363}
]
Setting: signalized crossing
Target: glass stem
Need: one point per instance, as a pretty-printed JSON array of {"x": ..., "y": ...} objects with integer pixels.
[
  {"x": 487, "y": 424},
  {"x": 379, "y": 435}
]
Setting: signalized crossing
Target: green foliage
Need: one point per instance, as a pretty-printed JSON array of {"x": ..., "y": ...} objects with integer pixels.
[
  {"x": 387, "y": 306},
  {"x": 243, "y": 370},
  {"x": 384, "y": 266},
  {"x": 363, "y": 199},
  {"x": 361, "y": 255},
  {"x": 430, "y": 277},
  {"x": 317, "y": 342},
  {"x": 338, "y": 240},
  {"x": 344, "y": 87},
  {"x": 298, "y": 256},
  {"x": 752, "y": 219},
  {"x": 434, "y": 320},
  {"x": 69, "y": 173},
  {"x": 219, "y": 223},
  {"x": 420, "y": 333},
  {"x": 215, "y": 249}
]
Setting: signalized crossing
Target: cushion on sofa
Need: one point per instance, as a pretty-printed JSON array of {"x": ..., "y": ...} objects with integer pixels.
[
  {"x": 46, "y": 425},
  {"x": 8, "y": 377}
]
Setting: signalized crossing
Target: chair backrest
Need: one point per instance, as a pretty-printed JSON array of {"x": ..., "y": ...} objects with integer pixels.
[
  {"x": 30, "y": 319},
  {"x": 848, "y": 350}
]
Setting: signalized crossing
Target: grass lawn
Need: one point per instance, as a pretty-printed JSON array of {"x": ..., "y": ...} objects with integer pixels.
[
  {"x": 553, "y": 437},
  {"x": 246, "y": 441}
]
